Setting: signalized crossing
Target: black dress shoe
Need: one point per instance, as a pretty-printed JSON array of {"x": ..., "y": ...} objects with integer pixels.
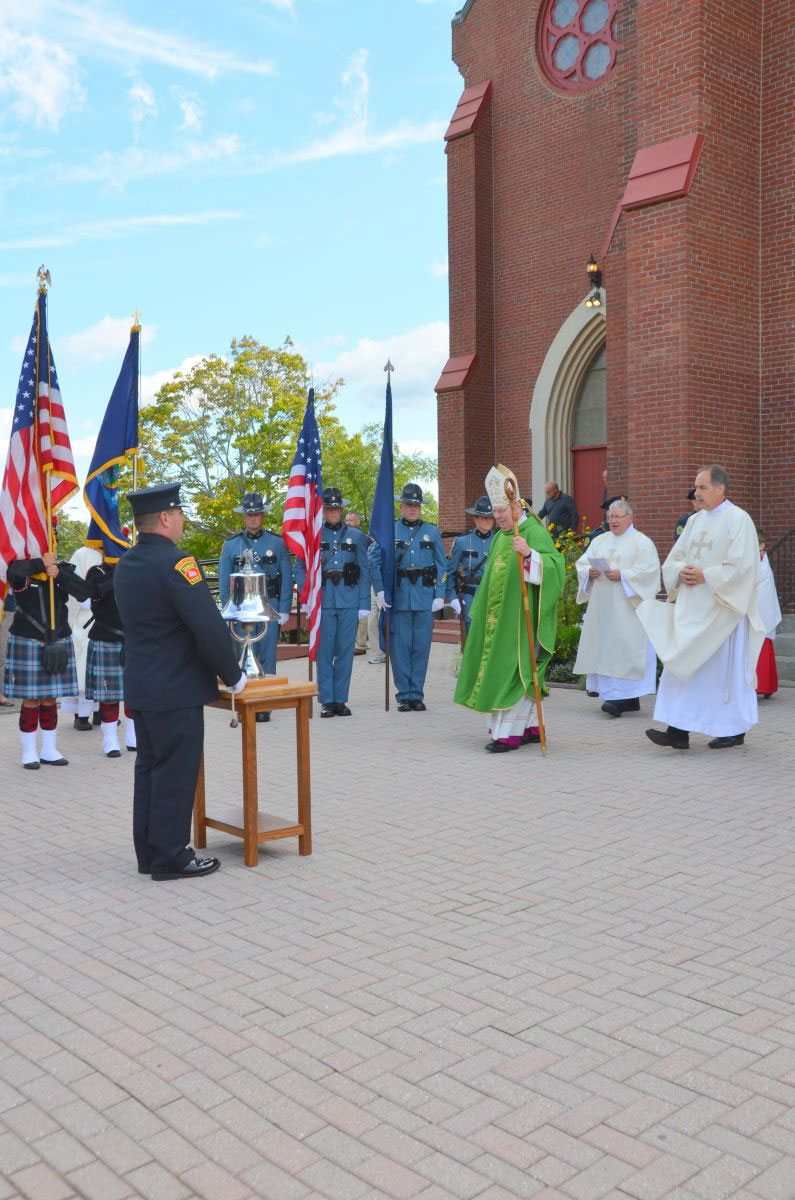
[
  {"x": 499, "y": 747},
  {"x": 328, "y": 710},
  {"x": 262, "y": 718},
  {"x": 343, "y": 710},
  {"x": 530, "y": 739},
  {"x": 31, "y": 766},
  {"x": 593, "y": 695},
  {"x": 144, "y": 870},
  {"x": 83, "y": 724},
  {"x": 612, "y": 708},
  {"x": 113, "y": 754},
  {"x": 723, "y": 743},
  {"x": 192, "y": 870},
  {"x": 678, "y": 740},
  {"x": 404, "y": 706},
  {"x": 55, "y": 762},
  {"x": 417, "y": 706}
]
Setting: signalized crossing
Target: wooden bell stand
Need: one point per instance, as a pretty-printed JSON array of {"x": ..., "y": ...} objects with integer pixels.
[{"x": 248, "y": 823}]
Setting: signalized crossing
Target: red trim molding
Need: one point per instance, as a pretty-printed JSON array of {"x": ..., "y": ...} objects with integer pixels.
[
  {"x": 456, "y": 373},
  {"x": 469, "y": 110}
]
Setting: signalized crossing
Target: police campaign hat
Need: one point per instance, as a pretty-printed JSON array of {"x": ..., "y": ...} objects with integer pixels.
[
  {"x": 481, "y": 508},
  {"x": 691, "y": 495},
  {"x": 411, "y": 494},
  {"x": 252, "y": 504},
  {"x": 332, "y": 498},
  {"x": 606, "y": 503},
  {"x": 154, "y": 499}
]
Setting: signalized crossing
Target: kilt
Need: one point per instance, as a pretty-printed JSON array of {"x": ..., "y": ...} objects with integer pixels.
[
  {"x": 25, "y": 678},
  {"x": 104, "y": 672}
]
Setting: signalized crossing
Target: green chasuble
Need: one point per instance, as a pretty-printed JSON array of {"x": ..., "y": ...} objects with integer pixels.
[{"x": 495, "y": 669}]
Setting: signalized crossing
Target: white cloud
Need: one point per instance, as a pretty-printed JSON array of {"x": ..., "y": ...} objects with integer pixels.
[
  {"x": 143, "y": 105},
  {"x": 83, "y": 447},
  {"x": 40, "y": 78},
  {"x": 16, "y": 280},
  {"x": 134, "y": 163},
  {"x": 106, "y": 339},
  {"x": 191, "y": 108},
  {"x": 118, "y": 227},
  {"x": 355, "y": 136},
  {"x": 418, "y": 356},
  {"x": 98, "y": 31},
  {"x": 439, "y": 268},
  {"x": 151, "y": 384}
]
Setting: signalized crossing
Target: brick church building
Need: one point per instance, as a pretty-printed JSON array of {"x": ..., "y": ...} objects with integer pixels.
[{"x": 658, "y": 136}]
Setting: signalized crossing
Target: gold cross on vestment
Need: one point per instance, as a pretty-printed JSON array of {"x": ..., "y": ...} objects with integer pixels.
[{"x": 701, "y": 545}]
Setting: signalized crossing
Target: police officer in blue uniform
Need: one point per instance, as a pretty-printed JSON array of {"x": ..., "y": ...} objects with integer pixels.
[
  {"x": 694, "y": 506},
  {"x": 176, "y": 644},
  {"x": 271, "y": 559},
  {"x": 468, "y": 559},
  {"x": 420, "y": 565},
  {"x": 345, "y": 598}
]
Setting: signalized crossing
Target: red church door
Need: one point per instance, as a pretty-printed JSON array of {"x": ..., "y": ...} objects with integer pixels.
[
  {"x": 589, "y": 462},
  {"x": 588, "y": 442}
]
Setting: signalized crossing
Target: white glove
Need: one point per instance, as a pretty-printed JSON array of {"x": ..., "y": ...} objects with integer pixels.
[
  {"x": 438, "y": 604},
  {"x": 455, "y": 604},
  {"x": 284, "y": 618},
  {"x": 381, "y": 601},
  {"x": 304, "y": 609},
  {"x": 241, "y": 683},
  {"x": 364, "y": 613}
]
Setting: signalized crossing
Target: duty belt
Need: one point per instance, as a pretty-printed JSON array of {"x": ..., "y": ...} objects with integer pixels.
[
  {"x": 333, "y": 575},
  {"x": 469, "y": 588},
  {"x": 410, "y": 573}
]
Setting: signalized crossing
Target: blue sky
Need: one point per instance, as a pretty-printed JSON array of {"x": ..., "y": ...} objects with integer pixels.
[{"x": 263, "y": 167}]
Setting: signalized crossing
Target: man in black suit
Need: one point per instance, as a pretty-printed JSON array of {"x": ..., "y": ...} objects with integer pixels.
[{"x": 177, "y": 644}]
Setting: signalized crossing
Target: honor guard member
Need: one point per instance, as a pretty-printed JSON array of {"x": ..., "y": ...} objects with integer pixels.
[
  {"x": 105, "y": 658},
  {"x": 271, "y": 559},
  {"x": 40, "y": 661},
  {"x": 420, "y": 566},
  {"x": 176, "y": 645},
  {"x": 468, "y": 558},
  {"x": 345, "y": 599}
]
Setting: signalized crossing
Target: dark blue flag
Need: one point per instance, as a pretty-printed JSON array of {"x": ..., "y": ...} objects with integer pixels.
[
  {"x": 382, "y": 516},
  {"x": 118, "y": 437}
]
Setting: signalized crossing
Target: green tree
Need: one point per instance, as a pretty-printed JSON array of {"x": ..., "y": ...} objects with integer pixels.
[
  {"x": 71, "y": 535},
  {"x": 229, "y": 426}
]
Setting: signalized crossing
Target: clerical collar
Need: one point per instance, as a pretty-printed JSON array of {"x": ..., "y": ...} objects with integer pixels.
[{"x": 412, "y": 524}]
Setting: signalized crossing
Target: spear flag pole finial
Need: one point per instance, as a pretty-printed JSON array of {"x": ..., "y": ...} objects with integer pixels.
[{"x": 389, "y": 369}]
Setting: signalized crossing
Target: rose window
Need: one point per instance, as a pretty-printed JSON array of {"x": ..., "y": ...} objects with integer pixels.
[{"x": 577, "y": 42}]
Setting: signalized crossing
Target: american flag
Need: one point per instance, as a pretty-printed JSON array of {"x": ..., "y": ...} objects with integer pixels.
[
  {"x": 303, "y": 517},
  {"x": 38, "y": 445}
]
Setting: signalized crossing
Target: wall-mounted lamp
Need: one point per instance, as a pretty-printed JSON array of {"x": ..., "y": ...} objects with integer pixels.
[{"x": 594, "y": 300}]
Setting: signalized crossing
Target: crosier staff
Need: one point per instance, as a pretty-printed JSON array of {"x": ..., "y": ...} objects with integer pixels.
[{"x": 511, "y": 494}]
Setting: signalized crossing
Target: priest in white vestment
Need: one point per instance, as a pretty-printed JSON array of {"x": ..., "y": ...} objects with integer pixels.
[
  {"x": 617, "y": 571},
  {"x": 709, "y": 634}
]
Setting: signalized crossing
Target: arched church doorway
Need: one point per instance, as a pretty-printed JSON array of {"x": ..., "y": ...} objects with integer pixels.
[{"x": 589, "y": 441}]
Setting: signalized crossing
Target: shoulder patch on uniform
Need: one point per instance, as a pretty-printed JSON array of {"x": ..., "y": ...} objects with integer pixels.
[{"x": 189, "y": 569}]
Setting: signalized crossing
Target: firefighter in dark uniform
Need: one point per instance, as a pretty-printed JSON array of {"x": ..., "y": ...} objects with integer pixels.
[
  {"x": 271, "y": 559},
  {"x": 176, "y": 645},
  {"x": 467, "y": 559}
]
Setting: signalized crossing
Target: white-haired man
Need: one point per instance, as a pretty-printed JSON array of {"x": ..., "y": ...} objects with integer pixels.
[
  {"x": 709, "y": 639},
  {"x": 618, "y": 570}
]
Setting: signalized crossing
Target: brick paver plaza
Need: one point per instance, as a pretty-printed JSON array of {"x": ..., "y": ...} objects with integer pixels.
[{"x": 568, "y": 978}]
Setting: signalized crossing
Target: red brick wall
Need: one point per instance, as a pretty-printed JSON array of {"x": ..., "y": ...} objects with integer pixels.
[{"x": 700, "y": 307}]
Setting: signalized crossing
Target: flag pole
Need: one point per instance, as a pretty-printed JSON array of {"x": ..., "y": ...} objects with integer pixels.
[
  {"x": 43, "y": 276},
  {"x": 531, "y": 641},
  {"x": 137, "y": 324},
  {"x": 386, "y": 662}
]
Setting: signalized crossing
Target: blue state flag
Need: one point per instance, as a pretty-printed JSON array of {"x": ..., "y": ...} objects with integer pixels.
[
  {"x": 118, "y": 437},
  {"x": 382, "y": 516}
]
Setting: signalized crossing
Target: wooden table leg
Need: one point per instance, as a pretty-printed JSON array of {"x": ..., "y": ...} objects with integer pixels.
[
  {"x": 250, "y": 798},
  {"x": 304, "y": 788},
  {"x": 199, "y": 826}
]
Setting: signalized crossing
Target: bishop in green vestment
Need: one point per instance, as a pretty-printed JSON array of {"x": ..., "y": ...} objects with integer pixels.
[{"x": 496, "y": 674}]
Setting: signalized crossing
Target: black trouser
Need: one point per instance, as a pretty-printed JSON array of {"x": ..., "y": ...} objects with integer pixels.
[{"x": 166, "y": 768}]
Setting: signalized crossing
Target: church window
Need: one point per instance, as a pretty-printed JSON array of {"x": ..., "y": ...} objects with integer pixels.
[{"x": 576, "y": 42}]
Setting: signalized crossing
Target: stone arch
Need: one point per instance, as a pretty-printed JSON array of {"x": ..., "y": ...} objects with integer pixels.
[{"x": 573, "y": 349}]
